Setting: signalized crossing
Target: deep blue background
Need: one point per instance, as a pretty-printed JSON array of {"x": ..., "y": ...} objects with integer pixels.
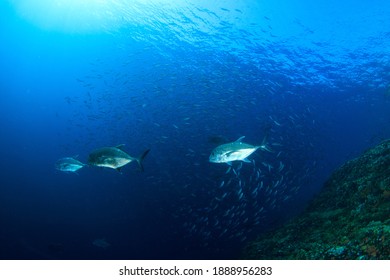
[{"x": 312, "y": 78}]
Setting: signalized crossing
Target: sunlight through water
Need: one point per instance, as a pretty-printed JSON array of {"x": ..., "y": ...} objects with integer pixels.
[
  {"x": 96, "y": 16},
  {"x": 86, "y": 16}
]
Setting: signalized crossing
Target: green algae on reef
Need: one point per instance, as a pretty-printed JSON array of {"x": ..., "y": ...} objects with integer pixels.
[{"x": 349, "y": 219}]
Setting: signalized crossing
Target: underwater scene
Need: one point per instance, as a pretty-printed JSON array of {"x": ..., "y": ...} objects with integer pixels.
[{"x": 193, "y": 129}]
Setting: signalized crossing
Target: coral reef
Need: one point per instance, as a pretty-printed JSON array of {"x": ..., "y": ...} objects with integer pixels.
[{"x": 349, "y": 219}]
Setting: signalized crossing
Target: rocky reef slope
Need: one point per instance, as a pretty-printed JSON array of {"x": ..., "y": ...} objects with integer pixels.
[{"x": 349, "y": 219}]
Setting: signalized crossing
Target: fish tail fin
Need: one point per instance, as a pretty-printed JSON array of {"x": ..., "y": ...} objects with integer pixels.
[
  {"x": 141, "y": 158},
  {"x": 264, "y": 146}
]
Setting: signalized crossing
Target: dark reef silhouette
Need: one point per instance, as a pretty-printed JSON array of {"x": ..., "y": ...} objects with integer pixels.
[{"x": 349, "y": 219}]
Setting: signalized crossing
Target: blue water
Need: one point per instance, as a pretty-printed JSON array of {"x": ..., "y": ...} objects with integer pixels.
[{"x": 181, "y": 78}]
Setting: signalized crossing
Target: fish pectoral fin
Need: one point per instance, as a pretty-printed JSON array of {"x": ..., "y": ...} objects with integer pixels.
[
  {"x": 232, "y": 153},
  {"x": 119, "y": 169},
  {"x": 246, "y": 160}
]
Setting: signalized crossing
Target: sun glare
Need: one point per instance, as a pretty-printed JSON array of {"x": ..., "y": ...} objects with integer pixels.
[{"x": 76, "y": 16}]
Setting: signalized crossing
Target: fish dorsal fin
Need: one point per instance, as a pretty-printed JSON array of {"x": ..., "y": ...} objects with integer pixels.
[
  {"x": 239, "y": 139},
  {"x": 120, "y": 147},
  {"x": 75, "y": 157}
]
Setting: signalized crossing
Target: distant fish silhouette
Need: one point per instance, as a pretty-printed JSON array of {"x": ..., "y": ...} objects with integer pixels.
[
  {"x": 101, "y": 243},
  {"x": 69, "y": 164}
]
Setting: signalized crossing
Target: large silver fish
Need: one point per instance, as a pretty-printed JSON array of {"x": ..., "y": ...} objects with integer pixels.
[
  {"x": 69, "y": 164},
  {"x": 114, "y": 157},
  {"x": 233, "y": 151}
]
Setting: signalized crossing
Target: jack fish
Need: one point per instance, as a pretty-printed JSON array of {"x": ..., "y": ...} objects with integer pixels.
[
  {"x": 69, "y": 164},
  {"x": 233, "y": 151},
  {"x": 114, "y": 157}
]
